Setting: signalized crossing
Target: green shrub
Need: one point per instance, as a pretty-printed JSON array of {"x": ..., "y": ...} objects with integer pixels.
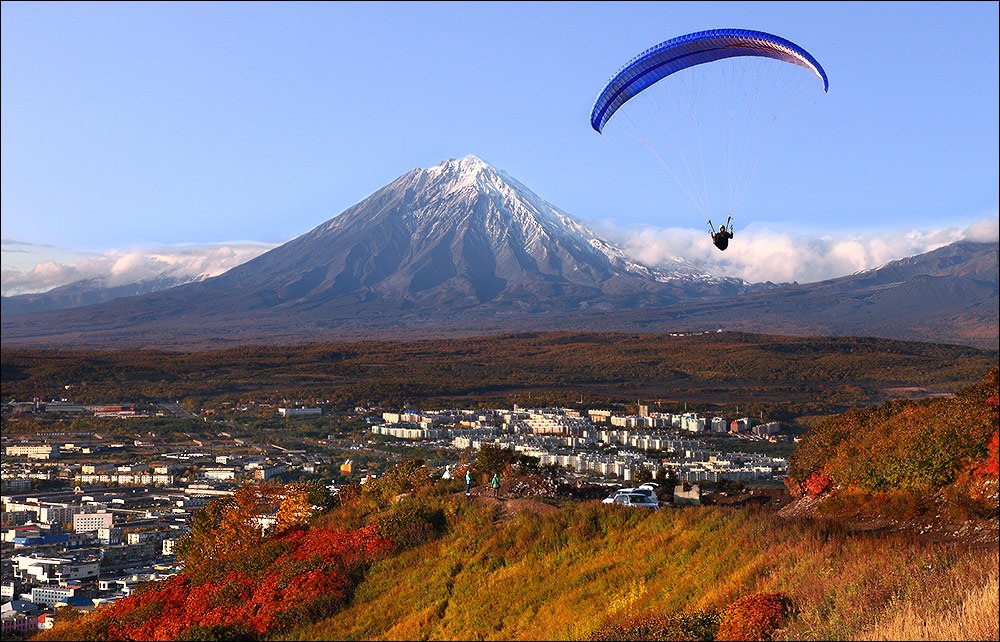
[{"x": 409, "y": 523}]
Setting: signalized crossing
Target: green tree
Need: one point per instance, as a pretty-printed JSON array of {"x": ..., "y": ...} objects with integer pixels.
[
  {"x": 202, "y": 541},
  {"x": 493, "y": 459}
]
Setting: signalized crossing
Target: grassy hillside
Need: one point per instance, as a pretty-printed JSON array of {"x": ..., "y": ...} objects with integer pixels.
[
  {"x": 409, "y": 556},
  {"x": 570, "y": 574},
  {"x": 579, "y": 571},
  {"x": 430, "y": 563}
]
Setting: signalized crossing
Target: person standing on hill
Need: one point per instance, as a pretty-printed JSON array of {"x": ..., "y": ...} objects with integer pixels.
[
  {"x": 468, "y": 482},
  {"x": 495, "y": 483}
]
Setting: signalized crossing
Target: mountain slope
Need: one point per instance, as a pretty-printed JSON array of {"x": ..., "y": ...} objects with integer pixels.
[
  {"x": 455, "y": 240},
  {"x": 946, "y": 295}
]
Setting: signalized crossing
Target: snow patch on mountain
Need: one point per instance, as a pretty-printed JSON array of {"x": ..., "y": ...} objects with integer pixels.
[{"x": 541, "y": 220}]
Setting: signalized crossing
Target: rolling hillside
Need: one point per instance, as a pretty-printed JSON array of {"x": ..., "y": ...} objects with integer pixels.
[{"x": 409, "y": 556}]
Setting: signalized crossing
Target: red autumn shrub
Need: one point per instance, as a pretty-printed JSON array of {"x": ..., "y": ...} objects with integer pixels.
[
  {"x": 754, "y": 617},
  {"x": 817, "y": 484},
  {"x": 312, "y": 578},
  {"x": 991, "y": 466}
]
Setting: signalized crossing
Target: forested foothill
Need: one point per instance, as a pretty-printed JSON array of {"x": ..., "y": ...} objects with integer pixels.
[
  {"x": 778, "y": 375},
  {"x": 906, "y": 458}
]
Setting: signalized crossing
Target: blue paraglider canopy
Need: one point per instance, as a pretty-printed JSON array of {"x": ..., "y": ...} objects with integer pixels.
[{"x": 693, "y": 49}]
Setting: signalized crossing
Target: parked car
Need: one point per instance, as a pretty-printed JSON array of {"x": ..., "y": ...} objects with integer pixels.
[
  {"x": 637, "y": 500},
  {"x": 648, "y": 489}
]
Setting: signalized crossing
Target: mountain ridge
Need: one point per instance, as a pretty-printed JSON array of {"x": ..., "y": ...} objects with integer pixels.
[
  {"x": 87, "y": 292},
  {"x": 464, "y": 248}
]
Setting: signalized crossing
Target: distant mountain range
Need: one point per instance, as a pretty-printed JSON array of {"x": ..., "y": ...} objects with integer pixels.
[
  {"x": 948, "y": 295},
  {"x": 463, "y": 248},
  {"x": 85, "y": 292}
]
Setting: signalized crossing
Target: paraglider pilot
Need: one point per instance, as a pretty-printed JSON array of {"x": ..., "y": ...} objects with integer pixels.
[{"x": 721, "y": 238}]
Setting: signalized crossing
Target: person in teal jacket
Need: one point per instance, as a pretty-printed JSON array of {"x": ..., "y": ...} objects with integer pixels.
[
  {"x": 495, "y": 483},
  {"x": 468, "y": 482}
]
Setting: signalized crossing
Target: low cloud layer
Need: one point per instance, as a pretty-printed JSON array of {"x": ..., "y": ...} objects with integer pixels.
[
  {"x": 31, "y": 268},
  {"x": 760, "y": 253},
  {"x": 757, "y": 254}
]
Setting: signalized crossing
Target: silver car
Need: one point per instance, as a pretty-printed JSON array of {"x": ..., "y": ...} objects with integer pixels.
[{"x": 639, "y": 500}]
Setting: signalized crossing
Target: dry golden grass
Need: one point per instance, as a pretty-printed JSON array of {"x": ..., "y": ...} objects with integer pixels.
[
  {"x": 951, "y": 610},
  {"x": 567, "y": 574}
]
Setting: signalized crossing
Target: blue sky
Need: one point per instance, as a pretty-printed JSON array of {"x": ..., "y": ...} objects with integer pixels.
[{"x": 128, "y": 125}]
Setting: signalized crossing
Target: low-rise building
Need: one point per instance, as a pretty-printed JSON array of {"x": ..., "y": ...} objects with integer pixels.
[
  {"x": 13, "y": 486},
  {"x": 109, "y": 536},
  {"x": 299, "y": 412},
  {"x": 266, "y": 473},
  {"x": 155, "y": 536},
  {"x": 770, "y": 428},
  {"x": 740, "y": 426},
  {"x": 36, "y": 451},
  {"x": 40, "y": 569},
  {"x": 220, "y": 473},
  {"x": 692, "y": 422},
  {"x": 123, "y": 556},
  {"x": 87, "y": 522},
  {"x": 51, "y": 595},
  {"x": 15, "y": 621}
]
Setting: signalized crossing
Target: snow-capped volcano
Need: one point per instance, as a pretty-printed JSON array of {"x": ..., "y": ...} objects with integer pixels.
[
  {"x": 460, "y": 243},
  {"x": 545, "y": 220},
  {"x": 461, "y": 233},
  {"x": 463, "y": 248}
]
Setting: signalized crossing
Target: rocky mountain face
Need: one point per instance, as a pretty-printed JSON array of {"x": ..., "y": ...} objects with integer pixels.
[{"x": 464, "y": 248}]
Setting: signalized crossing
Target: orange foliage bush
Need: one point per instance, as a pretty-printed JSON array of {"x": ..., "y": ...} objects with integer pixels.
[
  {"x": 817, "y": 484},
  {"x": 754, "y": 617},
  {"x": 991, "y": 467}
]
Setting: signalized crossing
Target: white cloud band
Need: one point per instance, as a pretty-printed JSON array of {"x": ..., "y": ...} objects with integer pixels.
[
  {"x": 757, "y": 254},
  {"x": 26, "y": 268},
  {"x": 760, "y": 253}
]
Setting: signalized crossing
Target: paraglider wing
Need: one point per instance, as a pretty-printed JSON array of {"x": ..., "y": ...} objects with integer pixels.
[{"x": 694, "y": 49}]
